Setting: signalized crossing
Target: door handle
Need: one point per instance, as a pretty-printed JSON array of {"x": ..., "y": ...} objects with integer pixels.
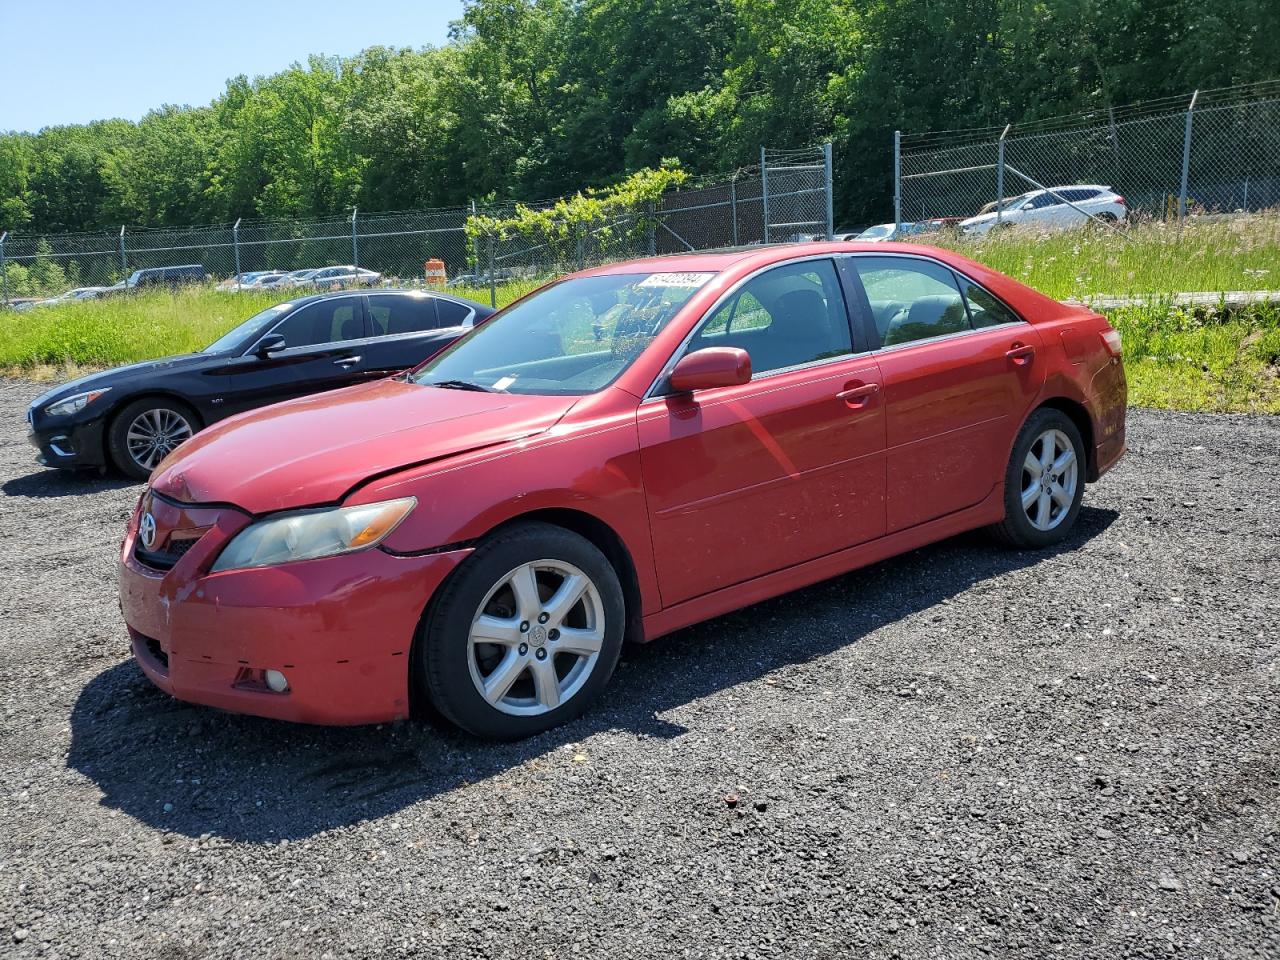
[
  {"x": 346, "y": 362},
  {"x": 859, "y": 396},
  {"x": 1020, "y": 353}
]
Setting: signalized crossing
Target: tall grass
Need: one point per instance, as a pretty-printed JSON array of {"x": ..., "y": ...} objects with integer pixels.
[
  {"x": 1241, "y": 253},
  {"x": 1175, "y": 357}
]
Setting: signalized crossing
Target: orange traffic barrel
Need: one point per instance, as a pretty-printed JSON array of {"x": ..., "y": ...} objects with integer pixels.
[{"x": 435, "y": 271}]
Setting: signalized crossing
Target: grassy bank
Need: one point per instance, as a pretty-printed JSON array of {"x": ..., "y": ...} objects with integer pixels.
[{"x": 1176, "y": 358}]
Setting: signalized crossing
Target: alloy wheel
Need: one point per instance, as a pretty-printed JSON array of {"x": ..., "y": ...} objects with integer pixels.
[
  {"x": 536, "y": 637},
  {"x": 1050, "y": 473},
  {"x": 154, "y": 434}
]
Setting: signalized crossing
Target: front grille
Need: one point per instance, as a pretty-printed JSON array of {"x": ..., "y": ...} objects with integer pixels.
[{"x": 165, "y": 559}]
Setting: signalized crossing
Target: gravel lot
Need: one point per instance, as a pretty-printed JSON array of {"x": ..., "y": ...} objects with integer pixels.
[{"x": 961, "y": 752}]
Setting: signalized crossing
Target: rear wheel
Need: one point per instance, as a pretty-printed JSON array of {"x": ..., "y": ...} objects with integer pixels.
[
  {"x": 524, "y": 635},
  {"x": 1044, "y": 482},
  {"x": 148, "y": 430}
]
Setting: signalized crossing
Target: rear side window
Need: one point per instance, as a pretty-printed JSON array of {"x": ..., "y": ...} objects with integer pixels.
[
  {"x": 911, "y": 299},
  {"x": 325, "y": 321},
  {"x": 396, "y": 315}
]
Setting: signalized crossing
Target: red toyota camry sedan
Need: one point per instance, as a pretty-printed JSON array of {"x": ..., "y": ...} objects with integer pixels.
[{"x": 624, "y": 452}]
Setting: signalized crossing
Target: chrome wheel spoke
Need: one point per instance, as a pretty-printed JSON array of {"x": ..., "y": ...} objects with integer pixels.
[
  {"x": 1048, "y": 449},
  {"x": 489, "y": 629},
  {"x": 503, "y": 676},
  {"x": 1044, "y": 504},
  {"x": 546, "y": 683},
  {"x": 580, "y": 641},
  {"x": 1030, "y": 495},
  {"x": 524, "y": 584},
  {"x": 1067, "y": 459},
  {"x": 1060, "y": 496},
  {"x": 565, "y": 599},
  {"x": 1032, "y": 466}
]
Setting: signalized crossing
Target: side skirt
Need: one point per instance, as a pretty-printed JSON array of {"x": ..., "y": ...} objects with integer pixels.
[{"x": 988, "y": 511}]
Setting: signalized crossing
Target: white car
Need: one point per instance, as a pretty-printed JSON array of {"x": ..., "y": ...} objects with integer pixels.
[
  {"x": 884, "y": 232},
  {"x": 334, "y": 278},
  {"x": 1070, "y": 206}
]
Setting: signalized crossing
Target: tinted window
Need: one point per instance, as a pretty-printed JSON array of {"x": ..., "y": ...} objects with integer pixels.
[
  {"x": 789, "y": 315},
  {"x": 393, "y": 315},
  {"x": 911, "y": 299},
  {"x": 1044, "y": 200},
  {"x": 324, "y": 321},
  {"x": 1075, "y": 196},
  {"x": 452, "y": 314},
  {"x": 984, "y": 309}
]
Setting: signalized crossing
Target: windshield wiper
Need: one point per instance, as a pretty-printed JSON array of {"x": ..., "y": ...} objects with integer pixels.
[{"x": 460, "y": 385}]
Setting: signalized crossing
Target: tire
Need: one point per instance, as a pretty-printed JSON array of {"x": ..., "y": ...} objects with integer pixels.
[
  {"x": 1028, "y": 523},
  {"x": 170, "y": 420},
  {"x": 543, "y": 662}
]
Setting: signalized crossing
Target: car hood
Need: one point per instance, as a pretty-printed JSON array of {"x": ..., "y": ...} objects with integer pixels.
[
  {"x": 315, "y": 449},
  {"x": 120, "y": 375}
]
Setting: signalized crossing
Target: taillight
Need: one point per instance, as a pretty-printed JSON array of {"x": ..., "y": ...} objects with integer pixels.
[
  {"x": 1121, "y": 201},
  {"x": 1111, "y": 340}
]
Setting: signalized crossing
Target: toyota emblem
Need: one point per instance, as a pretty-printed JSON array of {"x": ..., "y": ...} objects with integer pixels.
[{"x": 147, "y": 529}]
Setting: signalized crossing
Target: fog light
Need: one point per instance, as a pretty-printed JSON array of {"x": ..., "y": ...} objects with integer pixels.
[{"x": 276, "y": 681}]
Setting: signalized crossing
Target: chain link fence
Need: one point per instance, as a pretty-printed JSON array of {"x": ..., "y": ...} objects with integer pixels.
[
  {"x": 787, "y": 197},
  {"x": 1215, "y": 151}
]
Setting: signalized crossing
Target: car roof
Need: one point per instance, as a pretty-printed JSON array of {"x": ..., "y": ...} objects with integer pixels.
[{"x": 380, "y": 291}]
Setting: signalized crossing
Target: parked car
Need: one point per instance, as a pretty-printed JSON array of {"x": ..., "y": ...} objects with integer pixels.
[
  {"x": 337, "y": 278},
  {"x": 79, "y": 293},
  {"x": 132, "y": 416},
  {"x": 885, "y": 232},
  {"x": 1071, "y": 206},
  {"x": 622, "y": 453},
  {"x": 164, "y": 276},
  {"x": 251, "y": 280}
]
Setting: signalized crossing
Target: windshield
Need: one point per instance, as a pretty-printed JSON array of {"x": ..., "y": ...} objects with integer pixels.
[
  {"x": 875, "y": 233},
  {"x": 1015, "y": 202},
  {"x": 249, "y": 330},
  {"x": 572, "y": 338}
]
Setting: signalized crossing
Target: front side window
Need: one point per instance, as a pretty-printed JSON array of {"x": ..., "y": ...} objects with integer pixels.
[
  {"x": 325, "y": 321},
  {"x": 911, "y": 299},
  {"x": 571, "y": 338},
  {"x": 785, "y": 317},
  {"x": 452, "y": 314}
]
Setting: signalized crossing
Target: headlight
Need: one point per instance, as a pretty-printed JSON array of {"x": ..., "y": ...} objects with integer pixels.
[
  {"x": 309, "y": 534},
  {"x": 74, "y": 404}
]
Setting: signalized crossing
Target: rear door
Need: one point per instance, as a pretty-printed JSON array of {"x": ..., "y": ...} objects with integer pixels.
[
  {"x": 741, "y": 481},
  {"x": 960, "y": 372},
  {"x": 322, "y": 352}
]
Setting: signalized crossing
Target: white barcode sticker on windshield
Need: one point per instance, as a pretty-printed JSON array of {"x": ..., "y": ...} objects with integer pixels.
[{"x": 675, "y": 280}]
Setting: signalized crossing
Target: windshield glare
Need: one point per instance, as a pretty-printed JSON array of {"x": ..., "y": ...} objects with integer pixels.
[
  {"x": 872, "y": 233},
  {"x": 572, "y": 338},
  {"x": 249, "y": 329}
]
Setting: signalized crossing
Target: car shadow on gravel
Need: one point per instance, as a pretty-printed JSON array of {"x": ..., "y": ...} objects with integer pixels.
[
  {"x": 63, "y": 483},
  {"x": 194, "y": 771}
]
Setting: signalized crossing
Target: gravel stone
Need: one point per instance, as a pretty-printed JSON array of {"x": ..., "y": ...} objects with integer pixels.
[{"x": 1072, "y": 742}]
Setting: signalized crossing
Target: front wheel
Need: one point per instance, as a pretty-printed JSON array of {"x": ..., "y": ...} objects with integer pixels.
[
  {"x": 524, "y": 635},
  {"x": 1044, "y": 482},
  {"x": 148, "y": 430}
]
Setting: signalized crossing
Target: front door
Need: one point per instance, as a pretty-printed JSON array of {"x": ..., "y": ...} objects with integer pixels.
[
  {"x": 745, "y": 480},
  {"x": 319, "y": 354}
]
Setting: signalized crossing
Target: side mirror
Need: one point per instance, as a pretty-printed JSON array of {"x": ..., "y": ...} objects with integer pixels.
[
  {"x": 711, "y": 367},
  {"x": 271, "y": 343}
]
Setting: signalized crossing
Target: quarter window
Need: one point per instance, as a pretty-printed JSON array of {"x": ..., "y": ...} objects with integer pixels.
[
  {"x": 984, "y": 309},
  {"x": 787, "y": 316},
  {"x": 452, "y": 314},
  {"x": 911, "y": 299}
]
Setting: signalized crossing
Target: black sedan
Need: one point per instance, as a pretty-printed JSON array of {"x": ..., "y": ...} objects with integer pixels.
[{"x": 133, "y": 416}]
